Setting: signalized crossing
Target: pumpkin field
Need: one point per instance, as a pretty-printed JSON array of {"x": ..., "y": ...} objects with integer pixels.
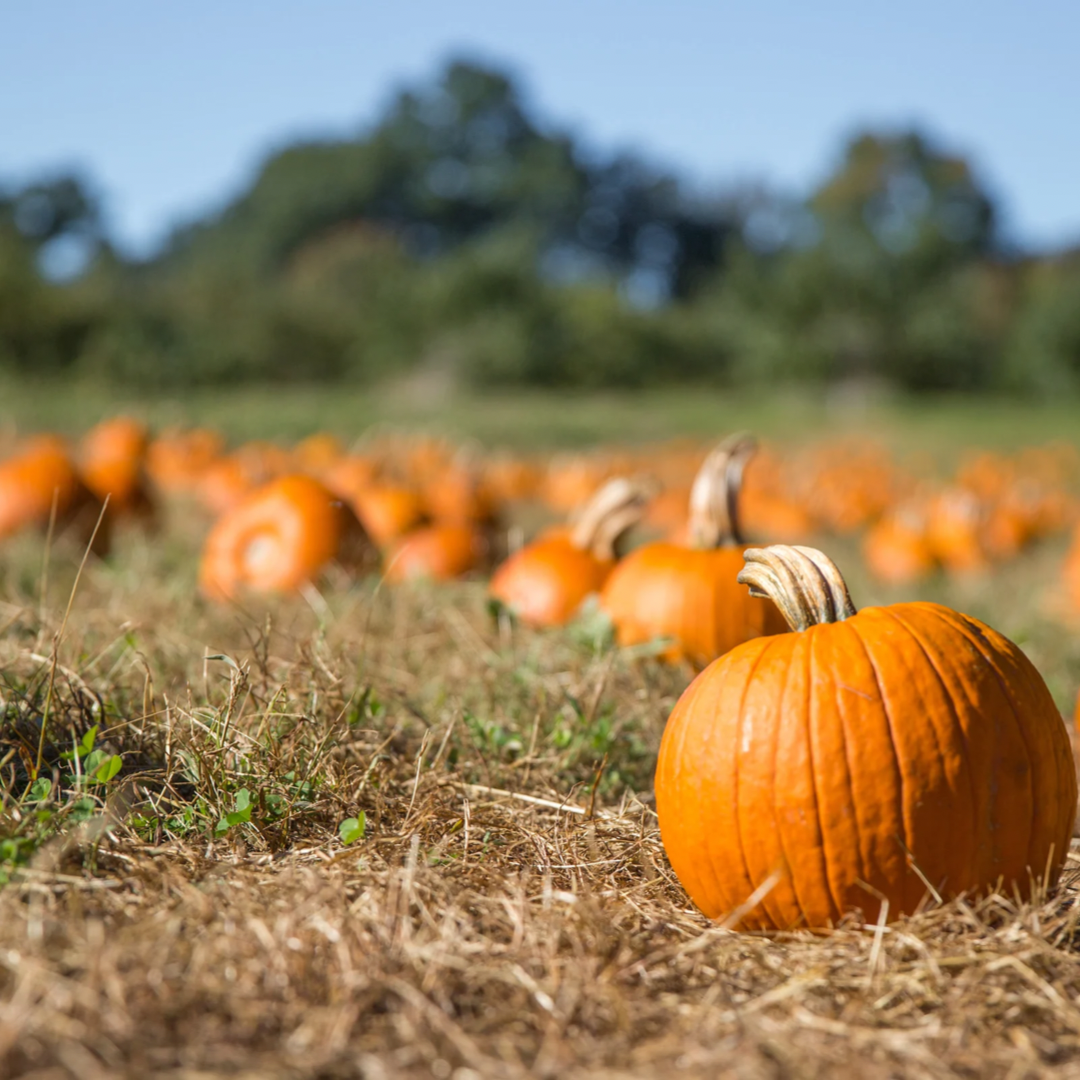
[{"x": 335, "y": 738}]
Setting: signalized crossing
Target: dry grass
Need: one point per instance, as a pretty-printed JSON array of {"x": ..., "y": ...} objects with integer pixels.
[{"x": 509, "y": 910}]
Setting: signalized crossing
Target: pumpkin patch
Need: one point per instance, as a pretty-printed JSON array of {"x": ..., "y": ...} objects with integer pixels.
[{"x": 419, "y": 706}]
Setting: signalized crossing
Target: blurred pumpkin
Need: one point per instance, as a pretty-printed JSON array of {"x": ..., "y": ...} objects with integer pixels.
[
  {"x": 687, "y": 592},
  {"x": 227, "y": 481},
  {"x": 896, "y": 548},
  {"x": 317, "y": 454},
  {"x": 388, "y": 511},
  {"x": 954, "y": 529},
  {"x": 176, "y": 460},
  {"x": 278, "y": 538},
  {"x": 545, "y": 582},
  {"x": 41, "y": 476},
  {"x": 439, "y": 552},
  {"x": 111, "y": 458}
]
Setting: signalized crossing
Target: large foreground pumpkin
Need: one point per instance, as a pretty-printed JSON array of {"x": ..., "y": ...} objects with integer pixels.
[
  {"x": 875, "y": 756},
  {"x": 687, "y": 592}
]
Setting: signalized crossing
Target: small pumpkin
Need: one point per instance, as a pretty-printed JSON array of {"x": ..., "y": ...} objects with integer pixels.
[
  {"x": 41, "y": 476},
  {"x": 388, "y": 510},
  {"x": 176, "y": 460},
  {"x": 439, "y": 552},
  {"x": 896, "y": 548},
  {"x": 545, "y": 582},
  {"x": 458, "y": 493},
  {"x": 111, "y": 460},
  {"x": 864, "y": 758},
  {"x": 687, "y": 592},
  {"x": 279, "y": 538},
  {"x": 317, "y": 454}
]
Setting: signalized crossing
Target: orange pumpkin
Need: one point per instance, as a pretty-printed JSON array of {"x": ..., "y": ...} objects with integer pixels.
[
  {"x": 40, "y": 476},
  {"x": 863, "y": 758},
  {"x": 438, "y": 552},
  {"x": 176, "y": 461},
  {"x": 350, "y": 475},
  {"x": 896, "y": 548},
  {"x": 388, "y": 511},
  {"x": 317, "y": 454},
  {"x": 111, "y": 461},
  {"x": 280, "y": 537},
  {"x": 688, "y": 594},
  {"x": 545, "y": 582},
  {"x": 955, "y": 527}
]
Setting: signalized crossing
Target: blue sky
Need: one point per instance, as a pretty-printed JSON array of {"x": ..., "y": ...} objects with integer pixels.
[{"x": 171, "y": 106}]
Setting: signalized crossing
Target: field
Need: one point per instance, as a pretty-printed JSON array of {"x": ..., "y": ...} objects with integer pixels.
[{"x": 376, "y": 831}]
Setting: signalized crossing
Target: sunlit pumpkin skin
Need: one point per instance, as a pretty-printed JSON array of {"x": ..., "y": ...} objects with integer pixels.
[
  {"x": 688, "y": 594},
  {"x": 546, "y": 582},
  {"x": 806, "y": 764},
  {"x": 279, "y": 538},
  {"x": 111, "y": 462},
  {"x": 436, "y": 552},
  {"x": 40, "y": 475}
]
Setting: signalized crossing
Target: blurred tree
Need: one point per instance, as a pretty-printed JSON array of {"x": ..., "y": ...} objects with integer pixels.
[
  {"x": 1043, "y": 343},
  {"x": 450, "y": 161},
  {"x": 871, "y": 277},
  {"x": 463, "y": 237}
]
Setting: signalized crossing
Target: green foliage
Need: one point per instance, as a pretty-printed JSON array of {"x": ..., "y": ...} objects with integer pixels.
[
  {"x": 352, "y": 829},
  {"x": 461, "y": 236},
  {"x": 241, "y": 815}
]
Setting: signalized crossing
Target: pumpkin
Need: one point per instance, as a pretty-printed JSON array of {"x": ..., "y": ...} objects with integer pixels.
[
  {"x": 388, "y": 511},
  {"x": 861, "y": 759},
  {"x": 111, "y": 458},
  {"x": 177, "y": 460},
  {"x": 955, "y": 529},
  {"x": 457, "y": 493},
  {"x": 437, "y": 552},
  {"x": 350, "y": 475},
  {"x": 317, "y": 453},
  {"x": 545, "y": 582},
  {"x": 279, "y": 538},
  {"x": 687, "y": 592},
  {"x": 896, "y": 549},
  {"x": 40, "y": 476}
]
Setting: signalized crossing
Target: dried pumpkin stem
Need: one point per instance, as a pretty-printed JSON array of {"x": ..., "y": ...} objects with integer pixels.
[
  {"x": 714, "y": 498},
  {"x": 802, "y": 582},
  {"x": 614, "y": 509}
]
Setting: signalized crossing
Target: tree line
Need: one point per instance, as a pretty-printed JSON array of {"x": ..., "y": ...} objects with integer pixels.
[{"x": 463, "y": 235}]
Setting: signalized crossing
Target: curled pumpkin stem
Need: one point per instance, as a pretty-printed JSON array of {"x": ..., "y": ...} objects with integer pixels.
[
  {"x": 802, "y": 582},
  {"x": 714, "y": 498},
  {"x": 614, "y": 509}
]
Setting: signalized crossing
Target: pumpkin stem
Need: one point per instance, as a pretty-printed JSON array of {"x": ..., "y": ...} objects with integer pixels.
[
  {"x": 802, "y": 582},
  {"x": 614, "y": 508},
  {"x": 714, "y": 498}
]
